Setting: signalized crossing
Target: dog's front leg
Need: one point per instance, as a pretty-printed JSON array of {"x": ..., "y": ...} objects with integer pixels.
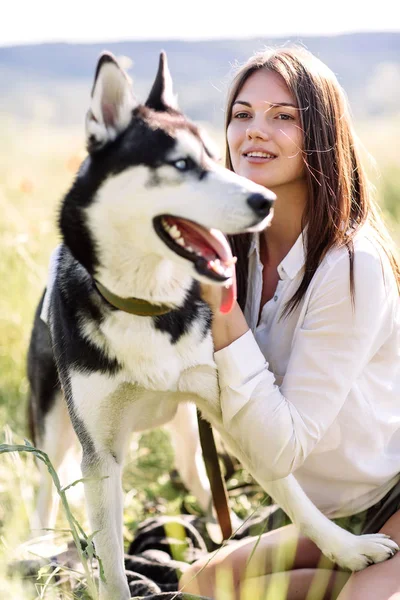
[
  {"x": 104, "y": 499},
  {"x": 100, "y": 414},
  {"x": 353, "y": 552}
]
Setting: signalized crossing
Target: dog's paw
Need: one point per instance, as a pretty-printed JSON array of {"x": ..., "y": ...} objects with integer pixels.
[{"x": 364, "y": 550}]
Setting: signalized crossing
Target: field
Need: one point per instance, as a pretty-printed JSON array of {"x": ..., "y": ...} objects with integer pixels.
[{"x": 37, "y": 166}]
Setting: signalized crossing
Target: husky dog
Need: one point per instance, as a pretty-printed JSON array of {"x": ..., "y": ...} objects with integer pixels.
[{"x": 128, "y": 342}]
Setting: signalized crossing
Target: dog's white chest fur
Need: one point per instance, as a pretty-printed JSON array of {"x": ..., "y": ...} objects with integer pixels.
[
  {"x": 156, "y": 374},
  {"x": 148, "y": 356}
]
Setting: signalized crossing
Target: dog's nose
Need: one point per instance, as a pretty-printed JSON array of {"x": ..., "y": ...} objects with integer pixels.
[{"x": 260, "y": 204}]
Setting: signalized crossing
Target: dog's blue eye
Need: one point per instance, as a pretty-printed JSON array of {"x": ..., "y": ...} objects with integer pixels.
[{"x": 182, "y": 164}]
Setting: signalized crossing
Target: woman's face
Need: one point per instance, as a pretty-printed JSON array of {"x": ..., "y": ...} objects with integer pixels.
[{"x": 264, "y": 133}]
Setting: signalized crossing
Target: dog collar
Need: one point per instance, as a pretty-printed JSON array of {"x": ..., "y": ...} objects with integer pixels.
[{"x": 133, "y": 306}]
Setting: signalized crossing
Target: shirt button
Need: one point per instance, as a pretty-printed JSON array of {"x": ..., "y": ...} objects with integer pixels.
[{"x": 275, "y": 298}]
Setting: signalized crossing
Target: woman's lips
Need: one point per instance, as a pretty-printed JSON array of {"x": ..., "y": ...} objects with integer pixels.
[{"x": 258, "y": 159}]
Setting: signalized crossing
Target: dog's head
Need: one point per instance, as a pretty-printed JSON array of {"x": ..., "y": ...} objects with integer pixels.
[{"x": 150, "y": 201}]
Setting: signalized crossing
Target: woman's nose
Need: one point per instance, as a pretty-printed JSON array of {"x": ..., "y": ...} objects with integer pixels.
[{"x": 254, "y": 132}]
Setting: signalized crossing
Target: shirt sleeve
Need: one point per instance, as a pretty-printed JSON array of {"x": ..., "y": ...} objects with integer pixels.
[{"x": 278, "y": 427}]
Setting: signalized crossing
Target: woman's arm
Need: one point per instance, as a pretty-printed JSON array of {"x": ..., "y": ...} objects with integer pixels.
[{"x": 278, "y": 427}]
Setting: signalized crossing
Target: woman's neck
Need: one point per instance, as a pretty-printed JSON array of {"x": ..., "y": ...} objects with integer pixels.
[{"x": 286, "y": 225}]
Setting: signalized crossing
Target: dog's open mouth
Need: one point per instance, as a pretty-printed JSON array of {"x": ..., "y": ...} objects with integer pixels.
[{"x": 208, "y": 249}]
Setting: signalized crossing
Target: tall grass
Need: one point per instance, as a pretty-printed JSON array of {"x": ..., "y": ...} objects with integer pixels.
[
  {"x": 37, "y": 166},
  {"x": 85, "y": 555}
]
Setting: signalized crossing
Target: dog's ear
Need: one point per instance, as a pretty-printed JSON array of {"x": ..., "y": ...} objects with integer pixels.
[
  {"x": 162, "y": 97},
  {"x": 112, "y": 103}
]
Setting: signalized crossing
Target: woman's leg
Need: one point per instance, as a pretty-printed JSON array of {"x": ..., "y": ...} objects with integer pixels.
[
  {"x": 297, "y": 584},
  {"x": 381, "y": 581},
  {"x": 253, "y": 561}
]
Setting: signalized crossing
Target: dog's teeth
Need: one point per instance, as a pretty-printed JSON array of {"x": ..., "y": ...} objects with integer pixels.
[
  {"x": 174, "y": 232},
  {"x": 180, "y": 241},
  {"x": 189, "y": 248},
  {"x": 167, "y": 227},
  {"x": 218, "y": 267},
  {"x": 215, "y": 265}
]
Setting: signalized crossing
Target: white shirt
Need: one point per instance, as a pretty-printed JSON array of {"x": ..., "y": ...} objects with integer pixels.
[{"x": 317, "y": 393}]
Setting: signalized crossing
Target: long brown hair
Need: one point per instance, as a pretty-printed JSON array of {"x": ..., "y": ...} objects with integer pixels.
[{"x": 340, "y": 197}]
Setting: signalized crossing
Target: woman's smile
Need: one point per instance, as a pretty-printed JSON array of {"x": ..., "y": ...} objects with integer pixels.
[{"x": 258, "y": 156}]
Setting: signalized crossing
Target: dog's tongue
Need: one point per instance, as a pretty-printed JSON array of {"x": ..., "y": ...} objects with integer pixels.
[
  {"x": 229, "y": 291},
  {"x": 229, "y": 294},
  {"x": 218, "y": 242}
]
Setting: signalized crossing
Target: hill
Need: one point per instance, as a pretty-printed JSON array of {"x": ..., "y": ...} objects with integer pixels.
[{"x": 51, "y": 82}]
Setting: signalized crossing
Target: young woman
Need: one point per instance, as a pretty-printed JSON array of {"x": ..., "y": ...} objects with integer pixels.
[{"x": 308, "y": 360}]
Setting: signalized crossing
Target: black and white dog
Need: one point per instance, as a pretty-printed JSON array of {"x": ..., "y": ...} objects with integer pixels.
[{"x": 127, "y": 340}]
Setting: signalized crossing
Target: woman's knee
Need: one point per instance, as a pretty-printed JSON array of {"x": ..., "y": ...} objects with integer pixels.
[{"x": 198, "y": 579}]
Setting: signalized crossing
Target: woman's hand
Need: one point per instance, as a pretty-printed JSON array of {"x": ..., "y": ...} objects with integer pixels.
[{"x": 226, "y": 328}]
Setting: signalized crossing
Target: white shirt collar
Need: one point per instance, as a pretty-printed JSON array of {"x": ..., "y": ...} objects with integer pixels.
[{"x": 293, "y": 262}]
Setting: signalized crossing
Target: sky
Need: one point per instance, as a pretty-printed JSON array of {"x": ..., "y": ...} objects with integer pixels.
[{"x": 36, "y": 21}]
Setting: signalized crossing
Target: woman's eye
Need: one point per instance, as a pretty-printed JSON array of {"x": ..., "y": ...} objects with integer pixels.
[
  {"x": 241, "y": 115},
  {"x": 285, "y": 117}
]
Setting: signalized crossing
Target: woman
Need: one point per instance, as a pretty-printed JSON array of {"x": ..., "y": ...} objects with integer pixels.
[{"x": 308, "y": 360}]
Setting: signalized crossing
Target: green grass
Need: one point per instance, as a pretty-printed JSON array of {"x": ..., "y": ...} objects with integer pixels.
[{"x": 37, "y": 166}]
